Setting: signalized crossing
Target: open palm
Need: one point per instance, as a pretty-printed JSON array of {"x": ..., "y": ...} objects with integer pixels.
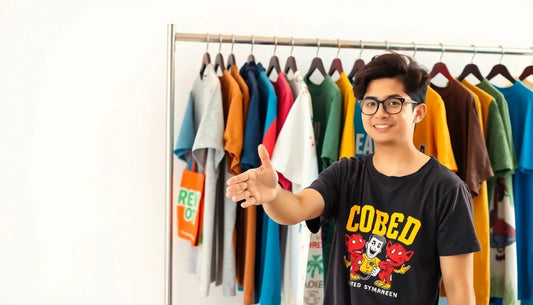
[{"x": 257, "y": 185}]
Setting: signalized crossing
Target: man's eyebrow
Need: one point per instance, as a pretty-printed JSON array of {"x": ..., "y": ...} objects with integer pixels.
[{"x": 389, "y": 96}]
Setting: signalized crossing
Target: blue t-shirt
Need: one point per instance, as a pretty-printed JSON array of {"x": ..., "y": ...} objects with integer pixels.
[
  {"x": 187, "y": 134},
  {"x": 520, "y": 102},
  {"x": 267, "y": 283}
]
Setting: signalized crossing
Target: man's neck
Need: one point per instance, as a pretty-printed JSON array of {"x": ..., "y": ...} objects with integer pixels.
[{"x": 393, "y": 160}]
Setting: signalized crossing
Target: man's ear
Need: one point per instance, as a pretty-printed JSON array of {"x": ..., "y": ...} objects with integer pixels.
[{"x": 420, "y": 112}]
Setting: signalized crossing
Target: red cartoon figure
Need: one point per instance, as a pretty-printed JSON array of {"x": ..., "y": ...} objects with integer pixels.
[
  {"x": 354, "y": 245},
  {"x": 396, "y": 257}
]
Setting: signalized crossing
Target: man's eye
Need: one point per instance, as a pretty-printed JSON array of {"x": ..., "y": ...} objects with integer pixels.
[
  {"x": 370, "y": 104},
  {"x": 394, "y": 103}
]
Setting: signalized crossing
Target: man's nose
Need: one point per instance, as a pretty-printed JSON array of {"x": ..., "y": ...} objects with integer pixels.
[{"x": 381, "y": 111}]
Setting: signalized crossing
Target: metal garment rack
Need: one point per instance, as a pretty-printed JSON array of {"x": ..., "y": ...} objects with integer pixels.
[{"x": 173, "y": 36}]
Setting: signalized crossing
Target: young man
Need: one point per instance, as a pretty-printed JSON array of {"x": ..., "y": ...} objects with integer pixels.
[{"x": 403, "y": 221}]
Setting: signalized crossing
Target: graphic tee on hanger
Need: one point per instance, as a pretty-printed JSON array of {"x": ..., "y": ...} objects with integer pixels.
[
  {"x": 503, "y": 264},
  {"x": 208, "y": 150},
  {"x": 295, "y": 157},
  {"x": 520, "y": 102}
]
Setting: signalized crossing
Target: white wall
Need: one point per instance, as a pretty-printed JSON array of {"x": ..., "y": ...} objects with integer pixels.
[{"x": 82, "y": 92}]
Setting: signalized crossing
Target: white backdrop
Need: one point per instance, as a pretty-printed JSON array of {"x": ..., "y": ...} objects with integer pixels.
[{"x": 82, "y": 123}]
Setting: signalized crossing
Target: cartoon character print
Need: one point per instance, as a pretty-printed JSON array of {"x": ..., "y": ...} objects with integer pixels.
[
  {"x": 396, "y": 257},
  {"x": 369, "y": 265},
  {"x": 354, "y": 245}
]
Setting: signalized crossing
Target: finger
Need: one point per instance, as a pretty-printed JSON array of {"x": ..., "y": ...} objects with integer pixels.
[
  {"x": 236, "y": 188},
  {"x": 239, "y": 178},
  {"x": 249, "y": 202},
  {"x": 240, "y": 196},
  {"x": 263, "y": 155}
]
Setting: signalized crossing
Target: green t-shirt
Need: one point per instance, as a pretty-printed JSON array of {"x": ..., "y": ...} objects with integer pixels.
[
  {"x": 486, "y": 86},
  {"x": 327, "y": 114},
  {"x": 501, "y": 202}
]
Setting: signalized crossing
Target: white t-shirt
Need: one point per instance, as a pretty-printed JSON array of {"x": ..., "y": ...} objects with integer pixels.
[
  {"x": 208, "y": 151},
  {"x": 294, "y": 156}
]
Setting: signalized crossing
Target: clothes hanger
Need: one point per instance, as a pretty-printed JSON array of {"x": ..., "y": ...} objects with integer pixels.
[
  {"x": 528, "y": 71},
  {"x": 358, "y": 64},
  {"x": 219, "y": 59},
  {"x": 290, "y": 64},
  {"x": 316, "y": 63},
  {"x": 274, "y": 61},
  {"x": 231, "y": 57},
  {"x": 251, "y": 57},
  {"x": 206, "y": 59},
  {"x": 336, "y": 63},
  {"x": 471, "y": 68},
  {"x": 441, "y": 68},
  {"x": 501, "y": 70}
]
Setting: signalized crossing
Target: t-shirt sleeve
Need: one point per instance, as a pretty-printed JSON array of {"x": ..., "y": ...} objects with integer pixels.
[
  {"x": 442, "y": 138},
  {"x": 478, "y": 168},
  {"x": 498, "y": 148},
  {"x": 327, "y": 184},
  {"x": 455, "y": 226}
]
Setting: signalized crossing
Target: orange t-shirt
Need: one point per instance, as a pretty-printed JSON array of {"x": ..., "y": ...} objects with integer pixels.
[{"x": 431, "y": 134}]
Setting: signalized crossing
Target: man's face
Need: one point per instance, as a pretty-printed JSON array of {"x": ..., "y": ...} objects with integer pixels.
[
  {"x": 373, "y": 247},
  {"x": 391, "y": 129}
]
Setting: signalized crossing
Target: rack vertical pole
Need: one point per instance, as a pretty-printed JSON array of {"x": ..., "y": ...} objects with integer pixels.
[{"x": 171, "y": 33}]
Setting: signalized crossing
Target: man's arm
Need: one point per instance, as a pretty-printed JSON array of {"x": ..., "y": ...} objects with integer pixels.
[
  {"x": 260, "y": 186},
  {"x": 458, "y": 278}
]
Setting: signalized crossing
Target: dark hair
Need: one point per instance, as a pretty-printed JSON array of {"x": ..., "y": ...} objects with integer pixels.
[{"x": 414, "y": 77}]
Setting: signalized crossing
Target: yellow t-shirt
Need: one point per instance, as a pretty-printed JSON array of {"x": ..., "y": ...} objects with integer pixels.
[
  {"x": 527, "y": 83},
  {"x": 347, "y": 146},
  {"x": 431, "y": 134},
  {"x": 481, "y": 208}
]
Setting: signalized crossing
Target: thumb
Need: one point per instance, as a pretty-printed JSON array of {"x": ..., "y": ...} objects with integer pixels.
[{"x": 263, "y": 155}]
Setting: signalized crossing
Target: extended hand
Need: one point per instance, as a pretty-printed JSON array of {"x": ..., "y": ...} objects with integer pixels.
[{"x": 257, "y": 185}]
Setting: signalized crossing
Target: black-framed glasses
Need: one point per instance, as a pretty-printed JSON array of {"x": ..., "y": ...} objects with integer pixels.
[{"x": 391, "y": 105}]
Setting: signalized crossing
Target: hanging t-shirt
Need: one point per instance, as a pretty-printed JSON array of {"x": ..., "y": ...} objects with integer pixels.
[
  {"x": 270, "y": 264},
  {"x": 327, "y": 107},
  {"x": 240, "y": 219},
  {"x": 253, "y": 132},
  {"x": 481, "y": 213},
  {"x": 347, "y": 146},
  {"x": 431, "y": 135},
  {"x": 520, "y": 101},
  {"x": 208, "y": 151},
  {"x": 295, "y": 157},
  {"x": 285, "y": 101},
  {"x": 503, "y": 265},
  {"x": 327, "y": 115},
  {"x": 468, "y": 144},
  {"x": 232, "y": 102},
  {"x": 364, "y": 144},
  {"x": 389, "y": 234}
]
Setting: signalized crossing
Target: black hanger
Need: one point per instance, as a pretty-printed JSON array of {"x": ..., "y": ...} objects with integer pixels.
[
  {"x": 206, "y": 59},
  {"x": 441, "y": 68},
  {"x": 290, "y": 64},
  {"x": 526, "y": 73},
  {"x": 470, "y": 69},
  {"x": 251, "y": 57},
  {"x": 358, "y": 64},
  {"x": 336, "y": 63},
  {"x": 316, "y": 63},
  {"x": 501, "y": 70},
  {"x": 274, "y": 61},
  {"x": 231, "y": 56},
  {"x": 219, "y": 59}
]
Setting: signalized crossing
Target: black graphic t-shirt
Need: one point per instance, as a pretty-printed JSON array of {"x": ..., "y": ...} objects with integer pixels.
[{"x": 390, "y": 231}]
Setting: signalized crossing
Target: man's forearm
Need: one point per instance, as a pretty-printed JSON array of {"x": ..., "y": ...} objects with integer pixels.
[{"x": 285, "y": 209}]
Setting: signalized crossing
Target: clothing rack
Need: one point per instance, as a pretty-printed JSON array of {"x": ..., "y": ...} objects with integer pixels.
[{"x": 173, "y": 36}]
